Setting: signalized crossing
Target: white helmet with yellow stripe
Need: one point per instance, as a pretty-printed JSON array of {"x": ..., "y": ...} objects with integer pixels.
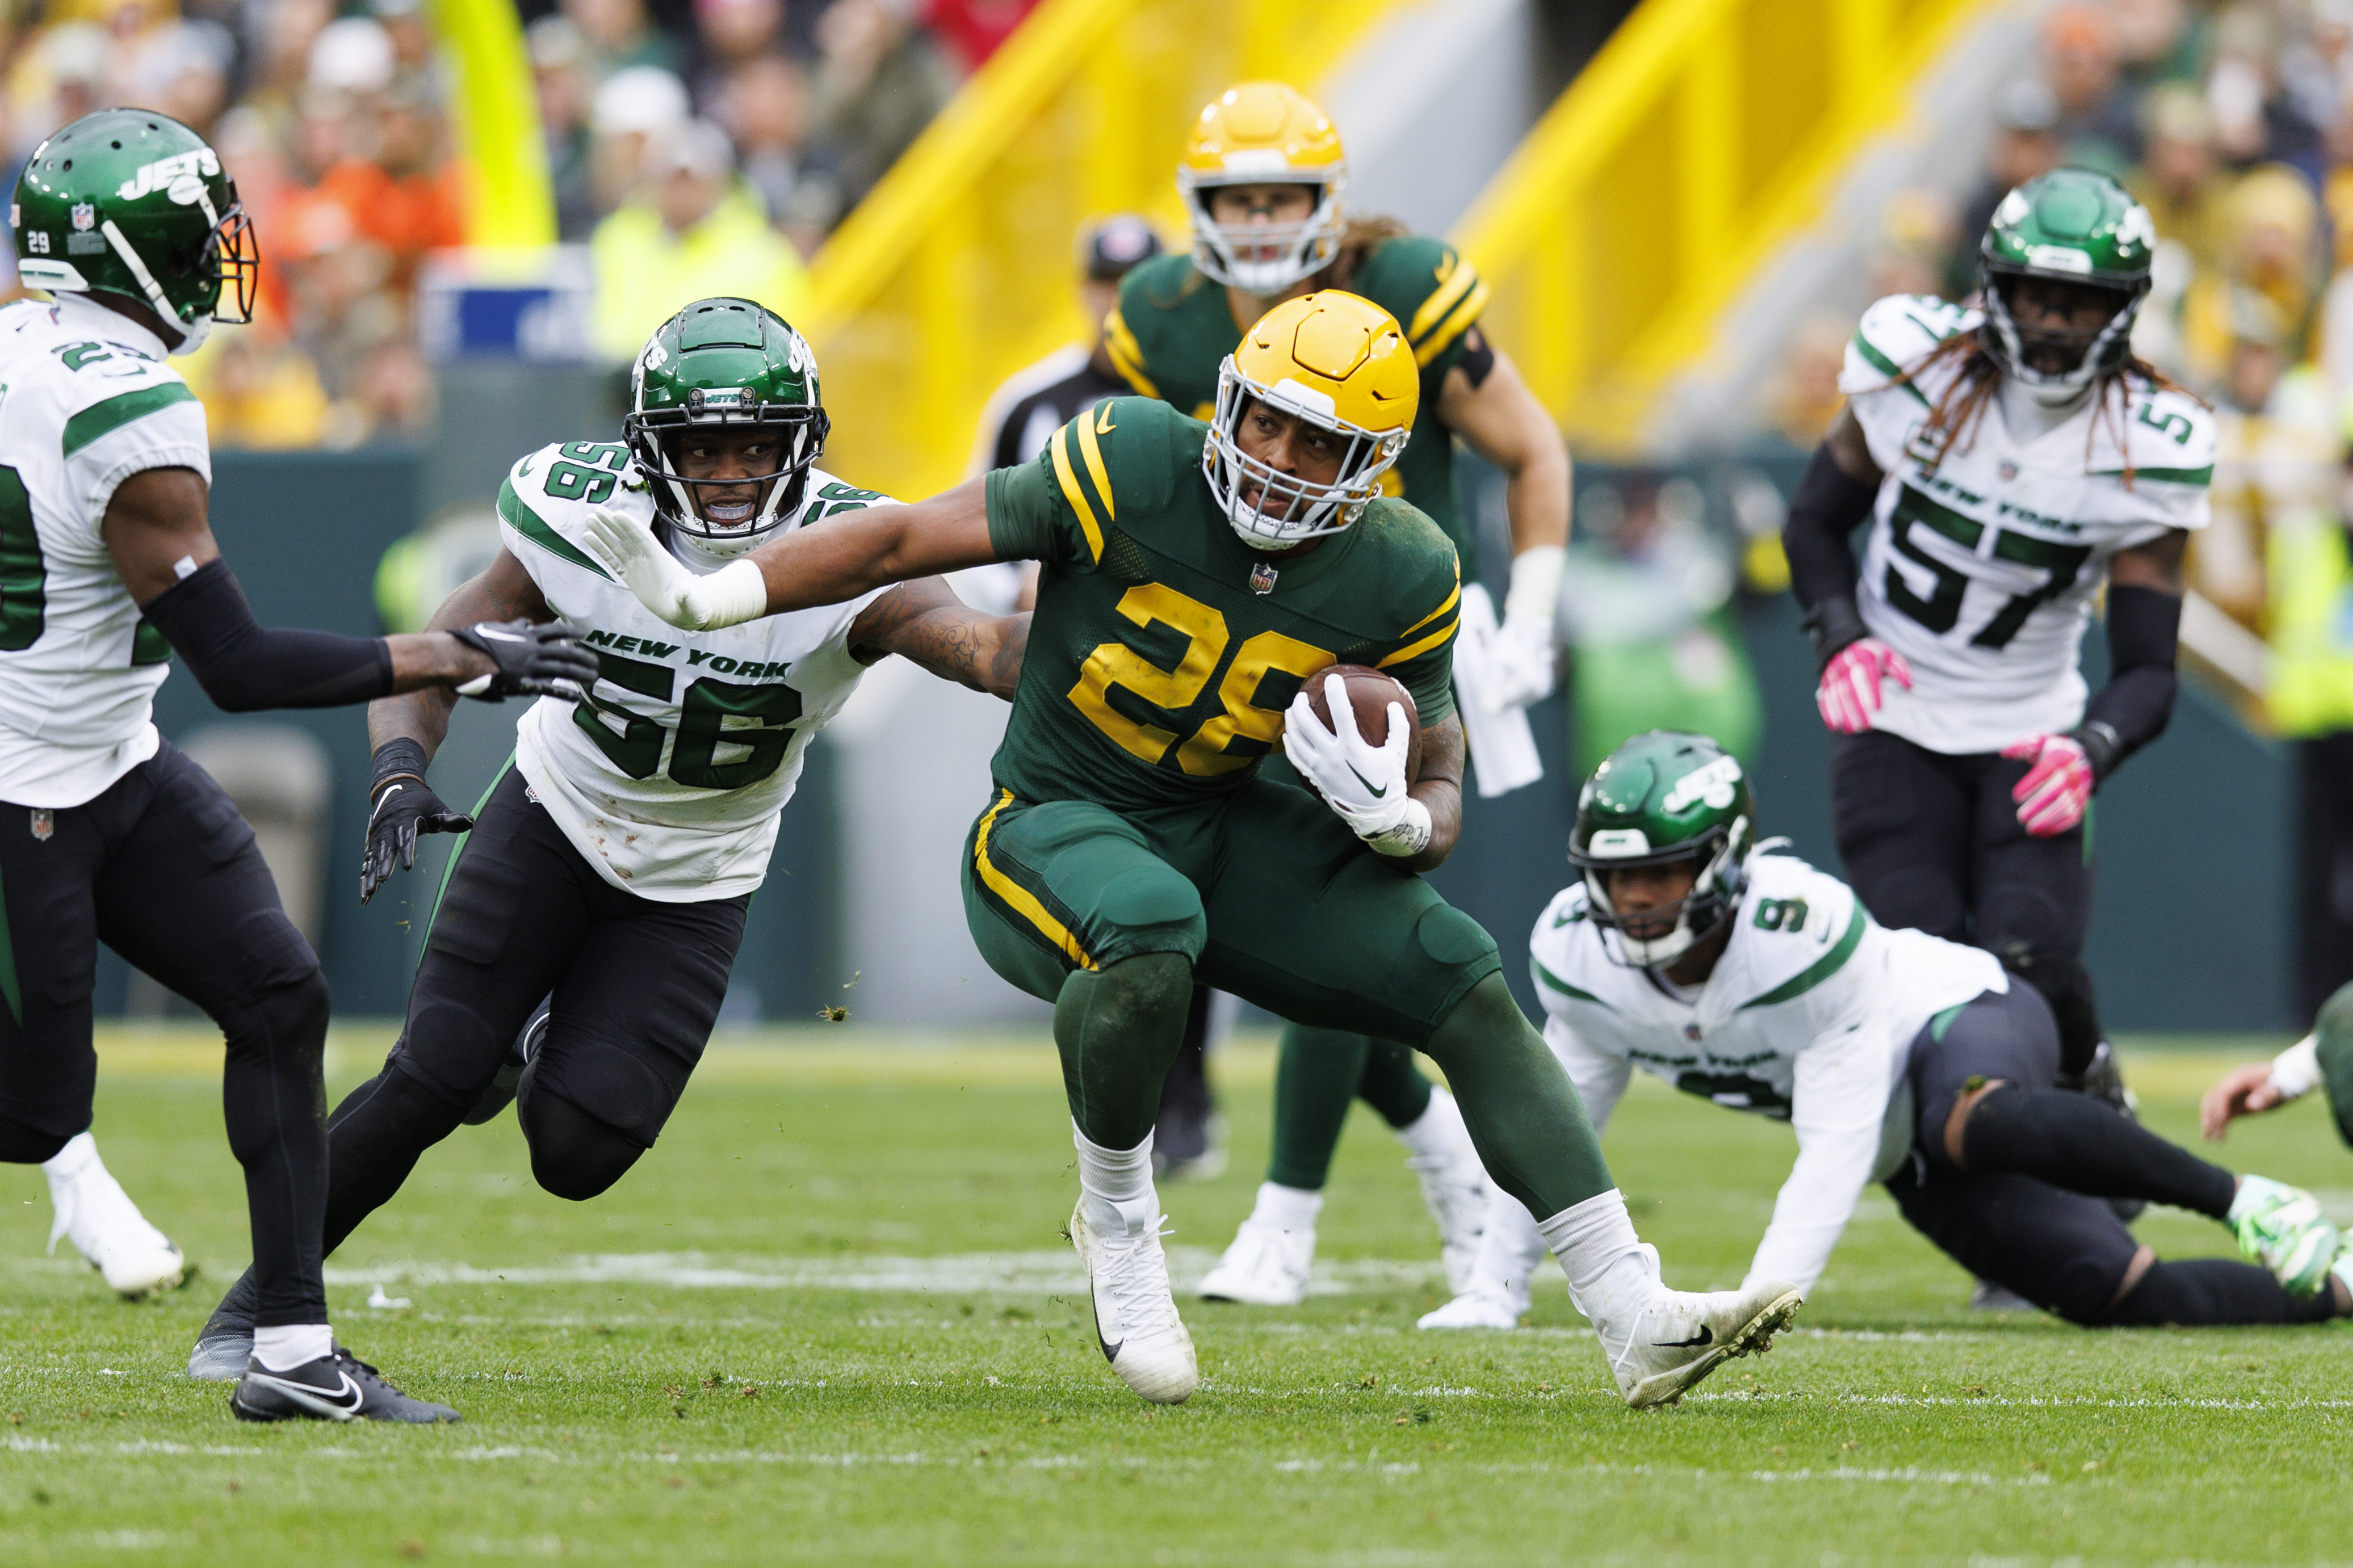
[
  {"x": 1335, "y": 362},
  {"x": 1263, "y": 133}
]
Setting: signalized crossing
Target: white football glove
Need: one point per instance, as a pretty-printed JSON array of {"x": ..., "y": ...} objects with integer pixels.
[
  {"x": 1364, "y": 784},
  {"x": 734, "y": 594},
  {"x": 1519, "y": 664}
]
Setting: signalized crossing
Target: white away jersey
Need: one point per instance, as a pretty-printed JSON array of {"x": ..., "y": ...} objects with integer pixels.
[
  {"x": 1982, "y": 569},
  {"x": 1807, "y": 1018},
  {"x": 669, "y": 776},
  {"x": 86, "y": 401}
]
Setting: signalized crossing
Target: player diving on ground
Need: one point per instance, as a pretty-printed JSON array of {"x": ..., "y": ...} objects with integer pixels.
[
  {"x": 1195, "y": 576},
  {"x": 1750, "y": 979},
  {"x": 613, "y": 861}
]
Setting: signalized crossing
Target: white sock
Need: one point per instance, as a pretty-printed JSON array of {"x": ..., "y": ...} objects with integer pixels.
[
  {"x": 79, "y": 1153},
  {"x": 1437, "y": 1132},
  {"x": 1119, "y": 1180},
  {"x": 1288, "y": 1209},
  {"x": 287, "y": 1346},
  {"x": 1594, "y": 1241}
]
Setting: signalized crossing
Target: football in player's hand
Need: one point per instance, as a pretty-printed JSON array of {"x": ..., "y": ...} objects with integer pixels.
[{"x": 1370, "y": 692}]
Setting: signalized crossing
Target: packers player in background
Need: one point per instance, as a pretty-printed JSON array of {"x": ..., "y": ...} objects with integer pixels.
[
  {"x": 1194, "y": 578},
  {"x": 108, "y": 567},
  {"x": 613, "y": 862},
  {"x": 2013, "y": 460},
  {"x": 1748, "y": 979},
  {"x": 2323, "y": 1059},
  {"x": 1264, "y": 180}
]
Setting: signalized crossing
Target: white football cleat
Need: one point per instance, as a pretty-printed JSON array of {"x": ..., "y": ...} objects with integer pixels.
[
  {"x": 1455, "y": 1186},
  {"x": 1669, "y": 1340},
  {"x": 105, "y": 1226},
  {"x": 1135, "y": 1311},
  {"x": 1475, "y": 1309},
  {"x": 1267, "y": 1264}
]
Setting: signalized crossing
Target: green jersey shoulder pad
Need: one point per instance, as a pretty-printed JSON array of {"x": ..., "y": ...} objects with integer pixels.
[
  {"x": 1423, "y": 574},
  {"x": 1796, "y": 928},
  {"x": 1121, "y": 459},
  {"x": 2169, "y": 438},
  {"x": 547, "y": 494},
  {"x": 1896, "y": 334},
  {"x": 1435, "y": 294}
]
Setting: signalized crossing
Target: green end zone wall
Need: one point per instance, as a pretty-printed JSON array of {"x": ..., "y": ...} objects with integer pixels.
[{"x": 2192, "y": 929}]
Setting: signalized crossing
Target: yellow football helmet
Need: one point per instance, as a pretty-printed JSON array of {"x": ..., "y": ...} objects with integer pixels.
[
  {"x": 1263, "y": 133},
  {"x": 1335, "y": 361}
]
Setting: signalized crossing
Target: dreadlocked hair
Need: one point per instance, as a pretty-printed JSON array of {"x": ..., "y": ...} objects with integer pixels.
[
  {"x": 1359, "y": 240},
  {"x": 1954, "y": 418}
]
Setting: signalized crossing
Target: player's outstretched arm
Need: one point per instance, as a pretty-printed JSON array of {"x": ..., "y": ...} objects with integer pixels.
[
  {"x": 1499, "y": 419},
  {"x": 835, "y": 560},
  {"x": 2261, "y": 1086},
  {"x": 405, "y": 730},
  {"x": 157, "y": 531},
  {"x": 924, "y": 621}
]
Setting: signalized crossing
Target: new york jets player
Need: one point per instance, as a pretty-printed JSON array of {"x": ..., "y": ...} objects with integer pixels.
[
  {"x": 2013, "y": 460},
  {"x": 1194, "y": 577},
  {"x": 1749, "y": 979},
  {"x": 614, "y": 861},
  {"x": 1264, "y": 178},
  {"x": 108, "y": 567}
]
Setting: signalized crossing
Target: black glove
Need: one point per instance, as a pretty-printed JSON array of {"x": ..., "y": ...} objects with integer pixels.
[
  {"x": 401, "y": 806},
  {"x": 534, "y": 660}
]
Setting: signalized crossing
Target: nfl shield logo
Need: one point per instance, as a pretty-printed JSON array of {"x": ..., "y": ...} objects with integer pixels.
[
  {"x": 45, "y": 823},
  {"x": 85, "y": 216},
  {"x": 1261, "y": 578}
]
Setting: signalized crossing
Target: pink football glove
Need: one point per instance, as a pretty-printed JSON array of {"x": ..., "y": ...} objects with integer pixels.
[
  {"x": 2052, "y": 796},
  {"x": 1848, "y": 694}
]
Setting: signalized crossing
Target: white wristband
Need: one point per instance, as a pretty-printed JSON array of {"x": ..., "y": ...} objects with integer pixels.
[
  {"x": 2295, "y": 1071},
  {"x": 1534, "y": 593},
  {"x": 732, "y": 594},
  {"x": 1409, "y": 837}
]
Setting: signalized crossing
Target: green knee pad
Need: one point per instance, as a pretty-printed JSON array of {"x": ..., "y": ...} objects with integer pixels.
[
  {"x": 1530, "y": 1127},
  {"x": 1117, "y": 1030}
]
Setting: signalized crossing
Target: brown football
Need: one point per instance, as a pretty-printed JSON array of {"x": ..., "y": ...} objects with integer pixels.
[{"x": 1370, "y": 692}]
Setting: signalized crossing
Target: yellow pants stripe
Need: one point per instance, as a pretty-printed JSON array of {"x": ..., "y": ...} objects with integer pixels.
[{"x": 1023, "y": 902}]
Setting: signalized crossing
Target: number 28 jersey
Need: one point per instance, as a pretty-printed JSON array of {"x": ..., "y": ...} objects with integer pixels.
[
  {"x": 1982, "y": 566},
  {"x": 669, "y": 776}
]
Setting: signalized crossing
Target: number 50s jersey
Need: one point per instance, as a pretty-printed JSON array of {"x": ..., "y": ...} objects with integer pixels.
[
  {"x": 670, "y": 776},
  {"x": 1982, "y": 567}
]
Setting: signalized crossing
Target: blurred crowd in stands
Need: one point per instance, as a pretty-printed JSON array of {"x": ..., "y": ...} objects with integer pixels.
[{"x": 694, "y": 146}]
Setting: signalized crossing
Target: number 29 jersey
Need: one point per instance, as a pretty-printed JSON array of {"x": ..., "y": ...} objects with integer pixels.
[
  {"x": 1982, "y": 566},
  {"x": 669, "y": 776}
]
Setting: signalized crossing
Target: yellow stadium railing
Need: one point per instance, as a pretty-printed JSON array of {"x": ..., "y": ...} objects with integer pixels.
[
  {"x": 958, "y": 269},
  {"x": 1700, "y": 138}
]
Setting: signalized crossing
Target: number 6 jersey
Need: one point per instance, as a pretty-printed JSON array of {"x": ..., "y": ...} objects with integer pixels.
[
  {"x": 1982, "y": 568},
  {"x": 670, "y": 776}
]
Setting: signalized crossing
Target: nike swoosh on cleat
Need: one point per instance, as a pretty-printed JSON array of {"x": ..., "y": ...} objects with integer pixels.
[
  {"x": 1705, "y": 1336},
  {"x": 313, "y": 1399},
  {"x": 1111, "y": 1352}
]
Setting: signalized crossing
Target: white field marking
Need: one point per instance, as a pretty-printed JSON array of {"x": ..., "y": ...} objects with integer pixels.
[
  {"x": 2064, "y": 1401},
  {"x": 1045, "y": 1271}
]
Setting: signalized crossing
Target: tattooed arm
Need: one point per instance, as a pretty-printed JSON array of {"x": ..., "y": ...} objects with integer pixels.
[{"x": 924, "y": 621}]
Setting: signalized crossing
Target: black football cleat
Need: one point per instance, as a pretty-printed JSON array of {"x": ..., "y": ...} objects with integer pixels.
[
  {"x": 501, "y": 1090},
  {"x": 338, "y": 1387}
]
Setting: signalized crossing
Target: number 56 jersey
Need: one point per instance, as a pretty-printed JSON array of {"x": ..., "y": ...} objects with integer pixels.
[
  {"x": 1982, "y": 566},
  {"x": 668, "y": 777}
]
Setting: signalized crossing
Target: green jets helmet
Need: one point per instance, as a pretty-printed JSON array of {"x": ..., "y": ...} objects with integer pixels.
[
  {"x": 1662, "y": 797},
  {"x": 2071, "y": 226},
  {"x": 725, "y": 362},
  {"x": 134, "y": 203}
]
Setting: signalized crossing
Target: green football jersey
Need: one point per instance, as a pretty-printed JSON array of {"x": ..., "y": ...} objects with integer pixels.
[
  {"x": 1173, "y": 328},
  {"x": 1164, "y": 651}
]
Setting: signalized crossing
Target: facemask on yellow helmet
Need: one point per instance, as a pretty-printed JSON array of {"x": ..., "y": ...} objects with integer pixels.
[
  {"x": 1338, "y": 364},
  {"x": 1263, "y": 133}
]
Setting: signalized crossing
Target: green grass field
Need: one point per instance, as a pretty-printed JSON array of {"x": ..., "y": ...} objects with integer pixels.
[{"x": 831, "y": 1319}]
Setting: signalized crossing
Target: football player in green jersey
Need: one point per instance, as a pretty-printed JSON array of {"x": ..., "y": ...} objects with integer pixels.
[
  {"x": 1194, "y": 577},
  {"x": 1263, "y": 175}
]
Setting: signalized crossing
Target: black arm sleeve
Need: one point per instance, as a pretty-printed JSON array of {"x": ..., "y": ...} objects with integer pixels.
[
  {"x": 1824, "y": 514},
  {"x": 244, "y": 666},
  {"x": 2133, "y": 708}
]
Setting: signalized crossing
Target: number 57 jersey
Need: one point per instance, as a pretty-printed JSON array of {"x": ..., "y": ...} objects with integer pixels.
[
  {"x": 1983, "y": 564},
  {"x": 668, "y": 777}
]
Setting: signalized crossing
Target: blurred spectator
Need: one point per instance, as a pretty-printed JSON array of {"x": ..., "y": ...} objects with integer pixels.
[
  {"x": 2179, "y": 179},
  {"x": 2255, "y": 120},
  {"x": 695, "y": 230},
  {"x": 1908, "y": 255},
  {"x": 252, "y": 156},
  {"x": 58, "y": 79},
  {"x": 2025, "y": 144},
  {"x": 974, "y": 29},
  {"x": 879, "y": 80},
  {"x": 1806, "y": 396},
  {"x": 2155, "y": 42},
  {"x": 403, "y": 197},
  {"x": 634, "y": 108},
  {"x": 183, "y": 72},
  {"x": 2080, "y": 60},
  {"x": 765, "y": 107},
  {"x": 2271, "y": 250},
  {"x": 413, "y": 62},
  {"x": 353, "y": 56},
  {"x": 559, "y": 63},
  {"x": 622, "y": 36},
  {"x": 732, "y": 33},
  {"x": 258, "y": 390},
  {"x": 287, "y": 30}
]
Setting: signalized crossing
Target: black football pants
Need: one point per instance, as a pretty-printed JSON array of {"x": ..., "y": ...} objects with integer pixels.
[
  {"x": 162, "y": 868},
  {"x": 1933, "y": 842}
]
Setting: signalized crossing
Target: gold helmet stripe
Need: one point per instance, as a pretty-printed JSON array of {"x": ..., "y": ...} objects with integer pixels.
[
  {"x": 1061, "y": 448},
  {"x": 1126, "y": 353}
]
